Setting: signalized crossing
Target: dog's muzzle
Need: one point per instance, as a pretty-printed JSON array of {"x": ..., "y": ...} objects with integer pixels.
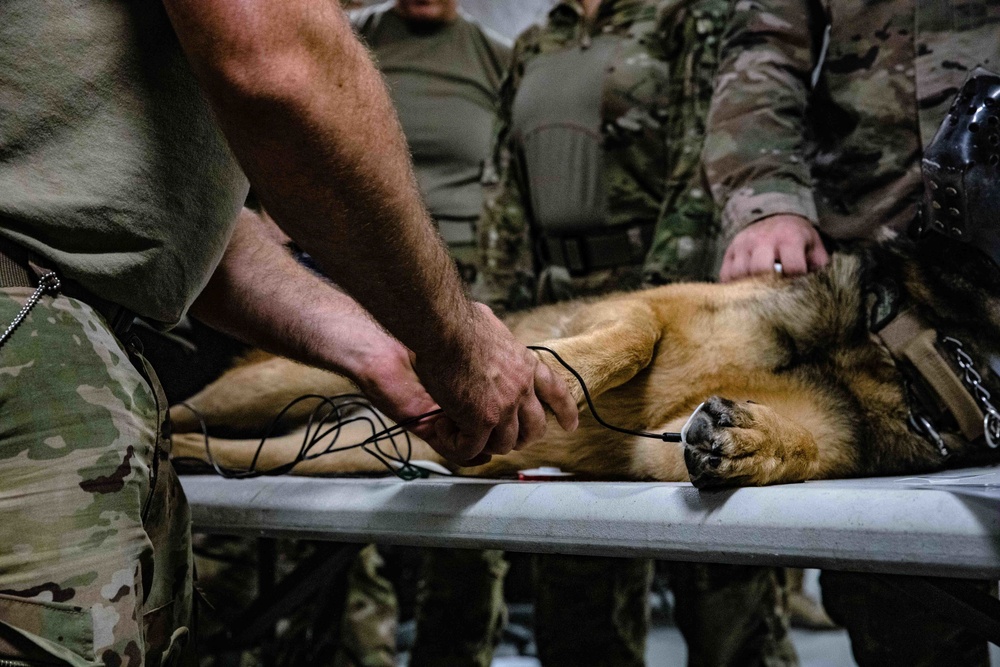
[{"x": 961, "y": 168}]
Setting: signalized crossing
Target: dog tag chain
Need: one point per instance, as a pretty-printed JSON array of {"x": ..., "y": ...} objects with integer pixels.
[
  {"x": 974, "y": 381},
  {"x": 47, "y": 284}
]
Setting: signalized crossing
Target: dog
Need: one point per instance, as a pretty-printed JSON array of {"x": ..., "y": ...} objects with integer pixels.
[{"x": 771, "y": 380}]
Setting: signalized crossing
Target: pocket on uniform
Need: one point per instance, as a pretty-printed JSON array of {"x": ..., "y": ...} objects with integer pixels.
[{"x": 36, "y": 632}]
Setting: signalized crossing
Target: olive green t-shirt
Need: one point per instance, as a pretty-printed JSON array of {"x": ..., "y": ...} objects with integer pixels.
[
  {"x": 444, "y": 81},
  {"x": 111, "y": 165}
]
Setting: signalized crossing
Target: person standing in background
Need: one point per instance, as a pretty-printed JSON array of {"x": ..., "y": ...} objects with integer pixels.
[
  {"x": 444, "y": 72},
  {"x": 821, "y": 114},
  {"x": 604, "y": 192}
]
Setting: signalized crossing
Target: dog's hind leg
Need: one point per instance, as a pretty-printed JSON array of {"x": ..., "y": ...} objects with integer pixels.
[
  {"x": 278, "y": 452},
  {"x": 607, "y": 343},
  {"x": 729, "y": 443},
  {"x": 248, "y": 397}
]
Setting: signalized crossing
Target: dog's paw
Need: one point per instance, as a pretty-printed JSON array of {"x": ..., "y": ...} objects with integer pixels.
[{"x": 723, "y": 445}]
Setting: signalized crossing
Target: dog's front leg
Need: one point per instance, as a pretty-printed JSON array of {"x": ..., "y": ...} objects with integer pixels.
[
  {"x": 729, "y": 443},
  {"x": 607, "y": 343}
]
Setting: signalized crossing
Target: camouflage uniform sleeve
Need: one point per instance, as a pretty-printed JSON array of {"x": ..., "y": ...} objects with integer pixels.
[
  {"x": 683, "y": 245},
  {"x": 506, "y": 276},
  {"x": 754, "y": 154}
]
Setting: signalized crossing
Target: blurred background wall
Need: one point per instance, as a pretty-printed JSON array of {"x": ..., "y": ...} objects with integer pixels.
[{"x": 507, "y": 17}]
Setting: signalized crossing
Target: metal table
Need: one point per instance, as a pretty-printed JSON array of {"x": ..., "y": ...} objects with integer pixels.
[{"x": 944, "y": 524}]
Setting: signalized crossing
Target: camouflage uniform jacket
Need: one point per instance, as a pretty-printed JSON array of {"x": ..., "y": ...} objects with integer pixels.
[
  {"x": 837, "y": 138},
  {"x": 655, "y": 99}
]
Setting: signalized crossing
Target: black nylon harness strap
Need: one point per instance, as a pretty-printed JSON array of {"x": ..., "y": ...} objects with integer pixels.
[{"x": 15, "y": 270}]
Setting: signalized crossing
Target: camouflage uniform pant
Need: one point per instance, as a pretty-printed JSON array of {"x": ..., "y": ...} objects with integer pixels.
[
  {"x": 368, "y": 627},
  {"x": 228, "y": 569},
  {"x": 732, "y": 614},
  {"x": 591, "y": 610},
  {"x": 460, "y": 608},
  {"x": 595, "y": 611},
  {"x": 94, "y": 542}
]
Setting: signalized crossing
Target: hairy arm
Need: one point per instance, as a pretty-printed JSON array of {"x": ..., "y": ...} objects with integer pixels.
[
  {"x": 260, "y": 294},
  {"x": 309, "y": 119}
]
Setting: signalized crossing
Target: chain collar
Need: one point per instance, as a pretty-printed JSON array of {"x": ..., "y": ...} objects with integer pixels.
[
  {"x": 974, "y": 382},
  {"x": 923, "y": 427}
]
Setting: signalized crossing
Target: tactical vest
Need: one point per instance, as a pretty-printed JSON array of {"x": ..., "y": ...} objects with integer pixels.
[{"x": 574, "y": 107}]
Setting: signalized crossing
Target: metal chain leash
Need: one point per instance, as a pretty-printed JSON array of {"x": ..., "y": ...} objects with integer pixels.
[
  {"x": 974, "y": 381},
  {"x": 47, "y": 284},
  {"x": 923, "y": 426}
]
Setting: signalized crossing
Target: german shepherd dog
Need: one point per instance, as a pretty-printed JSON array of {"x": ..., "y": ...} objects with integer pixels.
[{"x": 771, "y": 380}]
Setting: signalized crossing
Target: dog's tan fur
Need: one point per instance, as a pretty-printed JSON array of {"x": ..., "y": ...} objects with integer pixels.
[{"x": 794, "y": 385}]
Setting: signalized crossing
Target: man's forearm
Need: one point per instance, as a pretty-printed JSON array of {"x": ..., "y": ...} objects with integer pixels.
[
  {"x": 311, "y": 123},
  {"x": 259, "y": 294}
]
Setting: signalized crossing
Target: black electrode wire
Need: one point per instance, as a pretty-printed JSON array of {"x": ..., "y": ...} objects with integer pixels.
[
  {"x": 328, "y": 408},
  {"x": 324, "y": 401},
  {"x": 665, "y": 436},
  {"x": 328, "y": 419}
]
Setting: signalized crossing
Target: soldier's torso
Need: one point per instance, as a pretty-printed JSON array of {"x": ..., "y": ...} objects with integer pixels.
[
  {"x": 650, "y": 95},
  {"x": 605, "y": 109}
]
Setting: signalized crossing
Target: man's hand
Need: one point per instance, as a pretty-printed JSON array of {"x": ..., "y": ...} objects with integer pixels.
[
  {"x": 493, "y": 391},
  {"x": 789, "y": 240},
  {"x": 492, "y": 401},
  {"x": 488, "y": 384},
  {"x": 382, "y": 367}
]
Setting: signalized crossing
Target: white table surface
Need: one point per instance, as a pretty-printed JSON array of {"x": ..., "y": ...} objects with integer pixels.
[{"x": 945, "y": 524}]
